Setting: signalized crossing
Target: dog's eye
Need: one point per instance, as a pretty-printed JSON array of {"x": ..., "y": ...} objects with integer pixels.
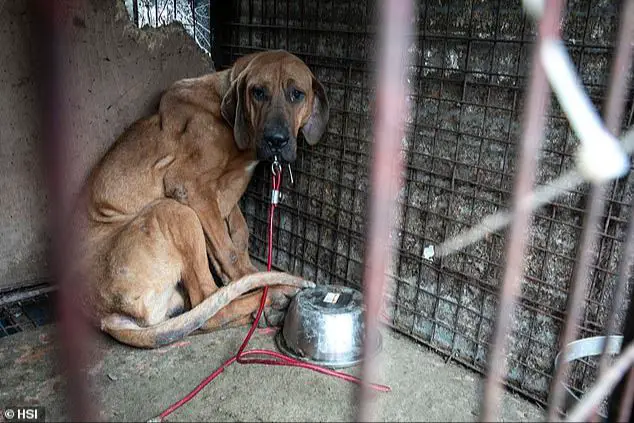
[
  {"x": 258, "y": 93},
  {"x": 296, "y": 95}
]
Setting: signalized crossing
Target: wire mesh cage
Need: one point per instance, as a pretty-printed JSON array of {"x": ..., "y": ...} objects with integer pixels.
[
  {"x": 26, "y": 309},
  {"x": 470, "y": 63},
  {"x": 194, "y": 15}
]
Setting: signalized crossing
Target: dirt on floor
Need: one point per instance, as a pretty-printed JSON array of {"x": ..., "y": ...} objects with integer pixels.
[{"x": 136, "y": 385}]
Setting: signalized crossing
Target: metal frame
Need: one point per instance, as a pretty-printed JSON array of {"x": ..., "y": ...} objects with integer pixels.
[{"x": 23, "y": 314}]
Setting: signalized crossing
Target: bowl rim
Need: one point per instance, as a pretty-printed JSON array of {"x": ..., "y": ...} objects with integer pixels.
[
  {"x": 357, "y": 307},
  {"x": 333, "y": 364}
]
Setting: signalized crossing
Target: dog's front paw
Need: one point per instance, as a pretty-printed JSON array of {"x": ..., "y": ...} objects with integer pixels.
[
  {"x": 279, "y": 298},
  {"x": 271, "y": 318}
]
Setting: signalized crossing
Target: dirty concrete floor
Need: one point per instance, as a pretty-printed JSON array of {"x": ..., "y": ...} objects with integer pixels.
[{"x": 135, "y": 385}]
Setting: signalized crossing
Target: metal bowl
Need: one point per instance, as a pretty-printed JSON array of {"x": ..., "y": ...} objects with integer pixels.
[{"x": 325, "y": 326}]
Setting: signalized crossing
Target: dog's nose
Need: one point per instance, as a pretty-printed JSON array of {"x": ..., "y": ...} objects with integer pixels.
[{"x": 277, "y": 138}]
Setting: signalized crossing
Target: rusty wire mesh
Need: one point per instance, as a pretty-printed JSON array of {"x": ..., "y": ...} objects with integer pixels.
[
  {"x": 25, "y": 314},
  {"x": 467, "y": 85}
]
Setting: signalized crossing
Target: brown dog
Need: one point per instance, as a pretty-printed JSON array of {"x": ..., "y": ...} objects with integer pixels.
[{"x": 162, "y": 203}]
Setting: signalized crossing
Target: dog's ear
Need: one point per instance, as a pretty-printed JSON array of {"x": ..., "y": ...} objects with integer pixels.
[
  {"x": 241, "y": 64},
  {"x": 314, "y": 129},
  {"x": 232, "y": 109}
]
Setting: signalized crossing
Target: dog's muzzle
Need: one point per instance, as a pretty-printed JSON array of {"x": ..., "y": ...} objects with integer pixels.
[{"x": 277, "y": 141}]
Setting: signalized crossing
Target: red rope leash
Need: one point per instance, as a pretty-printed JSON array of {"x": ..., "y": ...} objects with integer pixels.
[{"x": 279, "y": 359}]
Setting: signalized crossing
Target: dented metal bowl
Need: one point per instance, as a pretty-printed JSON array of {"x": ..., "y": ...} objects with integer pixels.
[{"x": 325, "y": 326}]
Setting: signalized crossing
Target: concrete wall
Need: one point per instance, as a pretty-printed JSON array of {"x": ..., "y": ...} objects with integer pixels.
[
  {"x": 118, "y": 74},
  {"x": 23, "y": 205}
]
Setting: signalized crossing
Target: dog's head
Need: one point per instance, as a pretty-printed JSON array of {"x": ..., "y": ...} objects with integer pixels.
[{"x": 273, "y": 95}]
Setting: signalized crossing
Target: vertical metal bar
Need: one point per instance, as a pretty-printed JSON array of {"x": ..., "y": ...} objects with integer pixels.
[
  {"x": 212, "y": 28},
  {"x": 275, "y": 33},
  {"x": 579, "y": 63},
  {"x": 538, "y": 101},
  {"x": 534, "y": 321},
  {"x": 613, "y": 115},
  {"x": 619, "y": 394},
  {"x": 175, "y": 16},
  {"x": 343, "y": 150},
  {"x": 576, "y": 298},
  {"x": 330, "y": 19},
  {"x": 358, "y": 169},
  {"x": 250, "y": 22},
  {"x": 479, "y": 169},
  {"x": 625, "y": 410},
  {"x": 593, "y": 398},
  {"x": 304, "y": 166},
  {"x": 156, "y": 13},
  {"x": 288, "y": 19},
  {"x": 193, "y": 7},
  {"x": 407, "y": 198},
  {"x": 434, "y": 159},
  {"x": 263, "y": 21},
  {"x": 52, "y": 39},
  {"x": 135, "y": 12},
  {"x": 620, "y": 74},
  {"x": 342, "y": 155},
  {"x": 299, "y": 201},
  {"x": 226, "y": 13},
  {"x": 386, "y": 175}
]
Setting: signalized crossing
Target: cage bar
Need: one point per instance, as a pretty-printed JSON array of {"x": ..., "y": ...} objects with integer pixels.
[
  {"x": 530, "y": 142},
  {"x": 614, "y": 114},
  {"x": 52, "y": 37},
  {"x": 613, "y": 117},
  {"x": 386, "y": 179}
]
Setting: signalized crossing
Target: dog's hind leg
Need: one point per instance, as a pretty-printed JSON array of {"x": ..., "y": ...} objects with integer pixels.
[
  {"x": 147, "y": 259},
  {"x": 242, "y": 310},
  {"x": 176, "y": 328}
]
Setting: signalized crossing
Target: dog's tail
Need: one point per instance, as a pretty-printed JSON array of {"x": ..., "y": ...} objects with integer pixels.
[{"x": 126, "y": 330}]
